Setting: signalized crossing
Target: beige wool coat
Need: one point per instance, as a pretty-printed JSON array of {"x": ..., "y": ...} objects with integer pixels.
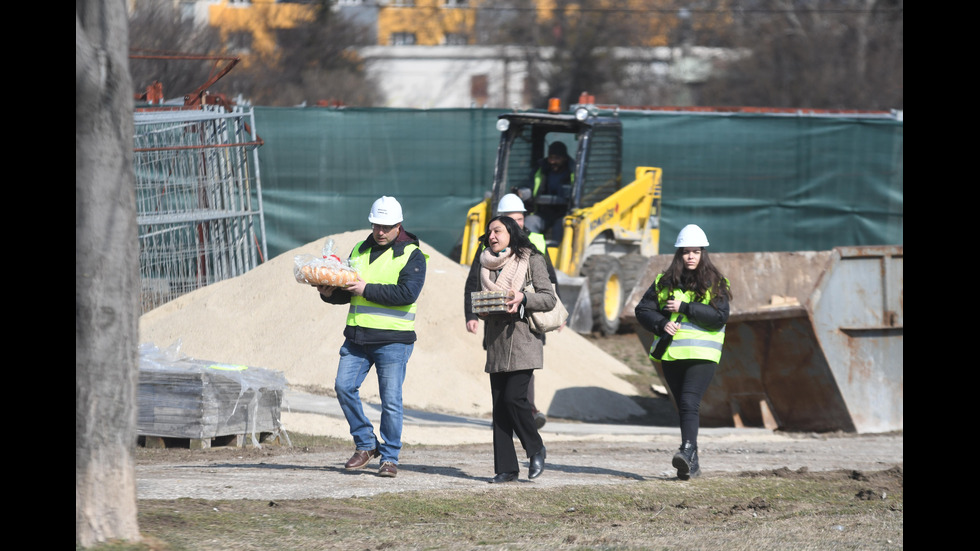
[{"x": 510, "y": 343}]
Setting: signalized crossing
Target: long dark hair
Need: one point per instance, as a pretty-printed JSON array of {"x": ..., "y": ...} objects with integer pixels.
[
  {"x": 702, "y": 280},
  {"x": 519, "y": 241}
]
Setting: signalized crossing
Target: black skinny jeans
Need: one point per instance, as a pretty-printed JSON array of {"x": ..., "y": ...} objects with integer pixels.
[
  {"x": 512, "y": 415},
  {"x": 688, "y": 380}
]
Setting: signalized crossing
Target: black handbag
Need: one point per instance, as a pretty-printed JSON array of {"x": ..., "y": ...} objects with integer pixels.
[
  {"x": 662, "y": 345},
  {"x": 664, "y": 342}
]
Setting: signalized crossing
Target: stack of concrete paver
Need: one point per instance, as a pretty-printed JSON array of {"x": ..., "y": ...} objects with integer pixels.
[{"x": 199, "y": 400}]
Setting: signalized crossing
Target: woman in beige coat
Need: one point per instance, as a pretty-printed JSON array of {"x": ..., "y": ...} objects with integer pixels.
[{"x": 508, "y": 262}]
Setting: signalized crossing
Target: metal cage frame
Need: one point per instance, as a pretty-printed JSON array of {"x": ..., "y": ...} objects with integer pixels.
[{"x": 199, "y": 199}]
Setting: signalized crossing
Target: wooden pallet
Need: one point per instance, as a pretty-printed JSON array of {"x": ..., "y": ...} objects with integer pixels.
[{"x": 229, "y": 440}]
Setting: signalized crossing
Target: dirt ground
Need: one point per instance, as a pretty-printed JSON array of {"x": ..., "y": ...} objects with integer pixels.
[
  {"x": 181, "y": 491},
  {"x": 276, "y": 473}
]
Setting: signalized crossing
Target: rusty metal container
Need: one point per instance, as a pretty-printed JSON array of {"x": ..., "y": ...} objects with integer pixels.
[{"x": 813, "y": 343}]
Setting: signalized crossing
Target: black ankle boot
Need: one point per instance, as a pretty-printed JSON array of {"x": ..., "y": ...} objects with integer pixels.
[{"x": 686, "y": 461}]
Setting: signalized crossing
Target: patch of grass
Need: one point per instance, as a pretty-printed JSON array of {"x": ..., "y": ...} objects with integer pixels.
[{"x": 761, "y": 511}]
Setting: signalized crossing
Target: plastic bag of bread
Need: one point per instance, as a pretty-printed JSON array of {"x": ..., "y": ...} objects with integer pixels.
[{"x": 326, "y": 269}]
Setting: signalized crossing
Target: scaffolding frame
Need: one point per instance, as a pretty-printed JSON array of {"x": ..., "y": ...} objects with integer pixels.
[{"x": 198, "y": 197}]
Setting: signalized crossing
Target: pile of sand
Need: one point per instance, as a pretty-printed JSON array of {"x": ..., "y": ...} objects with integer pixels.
[{"x": 266, "y": 319}]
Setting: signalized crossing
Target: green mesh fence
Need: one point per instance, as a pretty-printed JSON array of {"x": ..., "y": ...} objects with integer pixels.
[{"x": 753, "y": 182}]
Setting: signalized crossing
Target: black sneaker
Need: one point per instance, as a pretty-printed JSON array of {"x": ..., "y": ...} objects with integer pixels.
[{"x": 686, "y": 461}]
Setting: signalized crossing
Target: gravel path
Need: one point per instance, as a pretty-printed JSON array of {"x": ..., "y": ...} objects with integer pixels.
[{"x": 578, "y": 454}]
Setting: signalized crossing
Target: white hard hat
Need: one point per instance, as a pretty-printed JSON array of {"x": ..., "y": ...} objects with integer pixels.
[
  {"x": 691, "y": 236},
  {"x": 385, "y": 211},
  {"x": 510, "y": 203}
]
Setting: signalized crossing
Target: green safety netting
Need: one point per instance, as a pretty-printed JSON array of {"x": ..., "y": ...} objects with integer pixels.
[{"x": 753, "y": 182}]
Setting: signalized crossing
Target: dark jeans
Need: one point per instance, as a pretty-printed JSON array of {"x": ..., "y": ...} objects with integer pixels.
[
  {"x": 688, "y": 380},
  {"x": 512, "y": 415}
]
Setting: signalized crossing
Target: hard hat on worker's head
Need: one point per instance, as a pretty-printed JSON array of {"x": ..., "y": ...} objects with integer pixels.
[
  {"x": 510, "y": 203},
  {"x": 691, "y": 236},
  {"x": 385, "y": 211}
]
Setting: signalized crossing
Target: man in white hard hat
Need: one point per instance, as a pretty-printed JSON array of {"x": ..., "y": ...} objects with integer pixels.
[
  {"x": 512, "y": 206},
  {"x": 380, "y": 331}
]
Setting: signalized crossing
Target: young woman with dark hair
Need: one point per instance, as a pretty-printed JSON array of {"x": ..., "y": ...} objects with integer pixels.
[{"x": 686, "y": 309}]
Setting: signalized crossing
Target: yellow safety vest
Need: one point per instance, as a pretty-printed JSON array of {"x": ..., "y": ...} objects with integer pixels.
[
  {"x": 691, "y": 341},
  {"x": 537, "y": 239},
  {"x": 539, "y": 178},
  {"x": 385, "y": 269}
]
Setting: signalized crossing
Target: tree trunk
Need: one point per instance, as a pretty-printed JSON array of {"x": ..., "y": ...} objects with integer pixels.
[{"x": 106, "y": 278}]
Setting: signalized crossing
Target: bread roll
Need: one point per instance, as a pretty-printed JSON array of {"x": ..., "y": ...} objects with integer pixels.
[{"x": 326, "y": 275}]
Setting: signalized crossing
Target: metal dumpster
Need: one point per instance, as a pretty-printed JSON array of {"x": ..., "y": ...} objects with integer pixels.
[{"x": 814, "y": 341}]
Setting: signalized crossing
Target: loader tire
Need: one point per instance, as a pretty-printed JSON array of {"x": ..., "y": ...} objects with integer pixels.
[
  {"x": 606, "y": 292},
  {"x": 634, "y": 266}
]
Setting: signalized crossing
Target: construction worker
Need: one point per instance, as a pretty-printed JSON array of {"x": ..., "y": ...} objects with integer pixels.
[
  {"x": 512, "y": 206},
  {"x": 380, "y": 331},
  {"x": 687, "y": 306},
  {"x": 552, "y": 178}
]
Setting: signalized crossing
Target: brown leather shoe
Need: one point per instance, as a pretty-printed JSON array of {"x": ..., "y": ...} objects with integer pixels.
[
  {"x": 360, "y": 459},
  {"x": 388, "y": 469}
]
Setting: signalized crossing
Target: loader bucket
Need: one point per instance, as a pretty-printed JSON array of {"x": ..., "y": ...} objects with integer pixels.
[
  {"x": 574, "y": 293},
  {"x": 813, "y": 343}
]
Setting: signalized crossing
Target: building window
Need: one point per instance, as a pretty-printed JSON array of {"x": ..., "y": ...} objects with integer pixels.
[
  {"x": 455, "y": 3},
  {"x": 455, "y": 39},
  {"x": 402, "y": 39},
  {"x": 402, "y": 3}
]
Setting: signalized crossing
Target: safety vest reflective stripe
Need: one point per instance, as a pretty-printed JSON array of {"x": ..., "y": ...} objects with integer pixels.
[
  {"x": 382, "y": 311},
  {"x": 697, "y": 342},
  {"x": 688, "y": 326},
  {"x": 381, "y": 317}
]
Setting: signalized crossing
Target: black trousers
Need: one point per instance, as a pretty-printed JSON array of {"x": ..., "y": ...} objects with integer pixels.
[
  {"x": 688, "y": 380},
  {"x": 512, "y": 415}
]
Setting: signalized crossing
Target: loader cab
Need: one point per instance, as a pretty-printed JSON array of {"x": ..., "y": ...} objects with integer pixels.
[{"x": 594, "y": 145}]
